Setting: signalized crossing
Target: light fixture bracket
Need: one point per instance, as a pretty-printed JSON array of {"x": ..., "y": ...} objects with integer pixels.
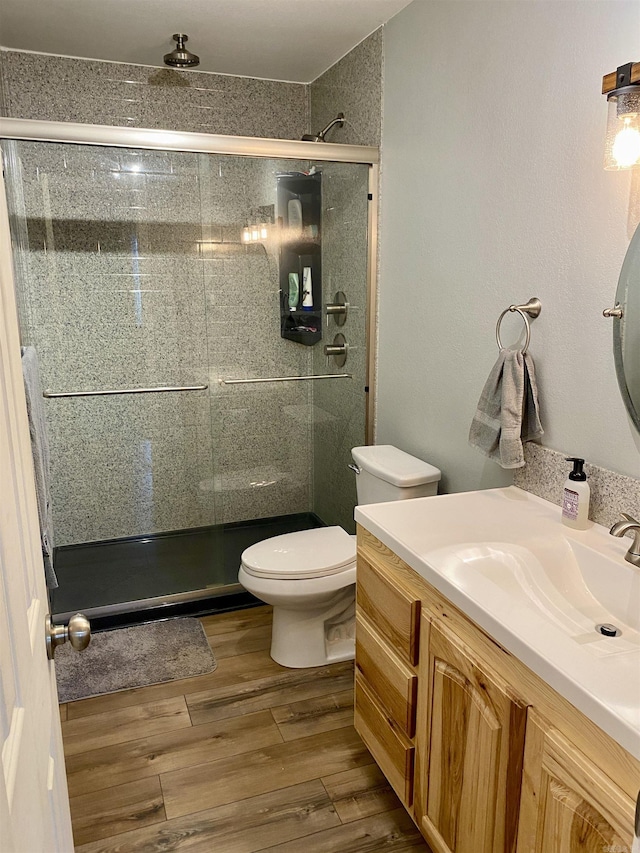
[{"x": 625, "y": 75}]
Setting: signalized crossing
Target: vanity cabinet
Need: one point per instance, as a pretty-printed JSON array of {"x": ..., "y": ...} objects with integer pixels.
[
  {"x": 386, "y": 676},
  {"x": 568, "y": 803},
  {"x": 471, "y": 734},
  {"x": 485, "y": 756}
]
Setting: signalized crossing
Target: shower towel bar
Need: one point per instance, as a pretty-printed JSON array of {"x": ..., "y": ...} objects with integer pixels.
[
  {"x": 286, "y": 379},
  {"x": 164, "y": 388}
]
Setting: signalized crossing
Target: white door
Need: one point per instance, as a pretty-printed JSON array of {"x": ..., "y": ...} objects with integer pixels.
[{"x": 34, "y": 805}]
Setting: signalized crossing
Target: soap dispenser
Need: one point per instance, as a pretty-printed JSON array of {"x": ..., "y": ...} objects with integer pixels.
[{"x": 575, "y": 497}]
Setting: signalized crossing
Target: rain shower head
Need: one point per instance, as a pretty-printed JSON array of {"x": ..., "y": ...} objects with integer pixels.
[
  {"x": 320, "y": 135},
  {"x": 180, "y": 57}
]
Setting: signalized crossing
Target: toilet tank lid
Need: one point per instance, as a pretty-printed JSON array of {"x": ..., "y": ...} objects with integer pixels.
[{"x": 394, "y": 466}]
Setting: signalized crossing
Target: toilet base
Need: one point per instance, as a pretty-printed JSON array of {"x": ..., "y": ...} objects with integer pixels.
[{"x": 307, "y": 638}]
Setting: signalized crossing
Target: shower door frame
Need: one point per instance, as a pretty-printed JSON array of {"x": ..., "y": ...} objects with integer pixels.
[{"x": 108, "y": 136}]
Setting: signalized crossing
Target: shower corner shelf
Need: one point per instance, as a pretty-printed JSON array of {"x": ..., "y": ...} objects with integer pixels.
[{"x": 300, "y": 251}]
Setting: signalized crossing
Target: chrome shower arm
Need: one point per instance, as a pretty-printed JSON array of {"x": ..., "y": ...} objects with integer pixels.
[{"x": 339, "y": 119}]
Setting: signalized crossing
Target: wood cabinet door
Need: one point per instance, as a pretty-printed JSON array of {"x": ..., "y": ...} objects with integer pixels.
[
  {"x": 568, "y": 804},
  {"x": 470, "y": 743}
]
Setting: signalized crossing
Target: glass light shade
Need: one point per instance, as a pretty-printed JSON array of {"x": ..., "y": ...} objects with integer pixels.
[{"x": 622, "y": 144}]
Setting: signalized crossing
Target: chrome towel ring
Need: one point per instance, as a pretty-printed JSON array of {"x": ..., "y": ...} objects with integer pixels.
[{"x": 533, "y": 308}]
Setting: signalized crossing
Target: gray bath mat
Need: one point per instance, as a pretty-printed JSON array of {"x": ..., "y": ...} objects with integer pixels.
[{"x": 134, "y": 657}]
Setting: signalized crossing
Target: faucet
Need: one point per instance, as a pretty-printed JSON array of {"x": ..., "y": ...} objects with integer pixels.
[{"x": 620, "y": 528}]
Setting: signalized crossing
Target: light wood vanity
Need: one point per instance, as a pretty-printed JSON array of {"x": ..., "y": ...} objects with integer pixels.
[{"x": 485, "y": 756}]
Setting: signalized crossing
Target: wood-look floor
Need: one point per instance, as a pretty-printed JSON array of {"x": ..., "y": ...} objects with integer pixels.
[{"x": 251, "y": 757}]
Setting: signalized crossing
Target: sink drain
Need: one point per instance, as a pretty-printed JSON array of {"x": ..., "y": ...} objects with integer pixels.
[{"x": 608, "y": 630}]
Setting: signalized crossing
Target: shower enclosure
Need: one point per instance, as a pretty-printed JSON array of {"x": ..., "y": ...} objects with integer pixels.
[{"x": 191, "y": 406}]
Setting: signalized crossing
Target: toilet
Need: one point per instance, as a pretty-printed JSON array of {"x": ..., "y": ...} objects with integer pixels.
[{"x": 309, "y": 577}]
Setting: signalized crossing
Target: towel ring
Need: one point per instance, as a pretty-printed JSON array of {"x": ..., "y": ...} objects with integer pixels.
[{"x": 532, "y": 308}]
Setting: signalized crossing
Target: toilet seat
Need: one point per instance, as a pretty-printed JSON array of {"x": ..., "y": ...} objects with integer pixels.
[{"x": 306, "y": 554}]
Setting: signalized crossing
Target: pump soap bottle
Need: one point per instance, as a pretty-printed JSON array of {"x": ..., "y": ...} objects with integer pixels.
[{"x": 575, "y": 498}]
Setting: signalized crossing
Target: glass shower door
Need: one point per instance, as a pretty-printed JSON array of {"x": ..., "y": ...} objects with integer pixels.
[
  {"x": 285, "y": 414},
  {"x": 191, "y": 407},
  {"x": 111, "y": 294}
]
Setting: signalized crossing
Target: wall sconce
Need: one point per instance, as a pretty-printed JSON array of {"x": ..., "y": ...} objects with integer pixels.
[{"x": 622, "y": 144}]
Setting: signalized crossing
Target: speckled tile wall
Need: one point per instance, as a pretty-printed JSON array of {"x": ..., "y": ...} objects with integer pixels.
[
  {"x": 339, "y": 405},
  {"x": 58, "y": 88},
  {"x": 157, "y": 289},
  {"x": 136, "y": 277},
  {"x": 352, "y": 86},
  {"x": 611, "y": 494},
  {"x": 3, "y": 91}
]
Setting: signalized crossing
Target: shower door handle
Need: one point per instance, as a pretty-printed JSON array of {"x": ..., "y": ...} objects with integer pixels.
[{"x": 77, "y": 632}]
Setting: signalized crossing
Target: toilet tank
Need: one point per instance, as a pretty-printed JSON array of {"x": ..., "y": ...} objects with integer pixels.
[{"x": 390, "y": 474}]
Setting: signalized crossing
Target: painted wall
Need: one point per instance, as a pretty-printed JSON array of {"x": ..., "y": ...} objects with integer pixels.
[{"x": 493, "y": 191}]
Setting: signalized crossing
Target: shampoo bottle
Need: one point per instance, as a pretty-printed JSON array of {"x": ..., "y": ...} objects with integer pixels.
[
  {"x": 575, "y": 498},
  {"x": 294, "y": 291},
  {"x": 307, "y": 290}
]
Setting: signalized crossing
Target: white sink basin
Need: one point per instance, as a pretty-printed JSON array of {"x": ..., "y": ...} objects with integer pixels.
[
  {"x": 570, "y": 583},
  {"x": 538, "y": 587}
]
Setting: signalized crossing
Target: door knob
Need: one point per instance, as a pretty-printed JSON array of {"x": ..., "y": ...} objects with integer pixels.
[{"x": 77, "y": 632}]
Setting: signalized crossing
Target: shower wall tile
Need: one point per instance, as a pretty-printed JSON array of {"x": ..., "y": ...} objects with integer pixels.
[
  {"x": 58, "y": 88},
  {"x": 352, "y": 86},
  {"x": 135, "y": 275},
  {"x": 262, "y": 457},
  {"x": 87, "y": 272},
  {"x": 262, "y": 444},
  {"x": 339, "y": 405},
  {"x": 106, "y": 340},
  {"x": 125, "y": 484},
  {"x": 114, "y": 301},
  {"x": 263, "y": 501},
  {"x": 4, "y": 95},
  {"x": 86, "y": 419}
]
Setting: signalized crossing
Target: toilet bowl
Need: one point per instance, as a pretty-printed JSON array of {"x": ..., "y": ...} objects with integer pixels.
[{"x": 309, "y": 577}]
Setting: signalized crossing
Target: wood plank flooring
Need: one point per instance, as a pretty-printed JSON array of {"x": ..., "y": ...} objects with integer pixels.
[{"x": 252, "y": 757}]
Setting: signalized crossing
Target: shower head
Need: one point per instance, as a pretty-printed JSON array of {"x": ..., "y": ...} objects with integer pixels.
[
  {"x": 180, "y": 57},
  {"x": 320, "y": 135}
]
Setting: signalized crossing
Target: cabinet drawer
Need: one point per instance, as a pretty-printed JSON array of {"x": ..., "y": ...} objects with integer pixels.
[
  {"x": 392, "y": 681},
  {"x": 391, "y": 609},
  {"x": 390, "y": 748}
]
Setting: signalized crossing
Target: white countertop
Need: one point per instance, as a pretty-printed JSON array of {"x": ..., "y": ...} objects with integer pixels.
[{"x": 504, "y": 558}]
